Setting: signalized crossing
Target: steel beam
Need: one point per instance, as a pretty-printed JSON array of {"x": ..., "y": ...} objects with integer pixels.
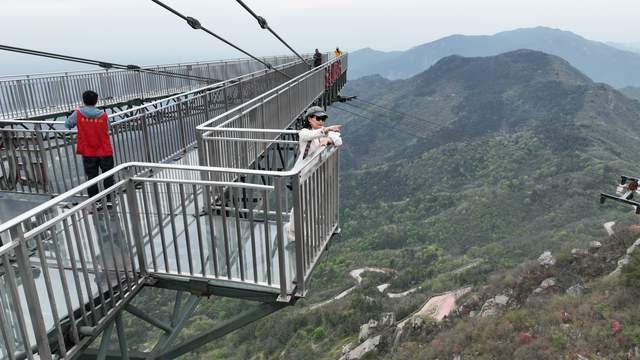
[
  {"x": 236, "y": 322},
  {"x": 133, "y": 310},
  {"x": 205, "y": 287},
  {"x": 91, "y": 354},
  {"x": 183, "y": 317}
]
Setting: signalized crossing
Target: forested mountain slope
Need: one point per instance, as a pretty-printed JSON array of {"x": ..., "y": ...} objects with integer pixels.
[
  {"x": 501, "y": 158},
  {"x": 515, "y": 152}
]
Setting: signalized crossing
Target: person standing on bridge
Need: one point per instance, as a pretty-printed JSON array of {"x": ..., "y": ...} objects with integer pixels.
[
  {"x": 94, "y": 144},
  {"x": 317, "y": 58},
  {"x": 314, "y": 137}
]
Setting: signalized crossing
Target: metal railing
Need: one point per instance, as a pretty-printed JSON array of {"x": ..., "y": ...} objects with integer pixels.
[
  {"x": 30, "y": 96},
  {"x": 237, "y": 137},
  {"x": 92, "y": 261},
  {"x": 39, "y": 156},
  {"x": 260, "y": 228},
  {"x": 251, "y": 136}
]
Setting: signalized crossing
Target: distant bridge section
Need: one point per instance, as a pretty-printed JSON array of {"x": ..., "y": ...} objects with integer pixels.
[{"x": 47, "y": 95}]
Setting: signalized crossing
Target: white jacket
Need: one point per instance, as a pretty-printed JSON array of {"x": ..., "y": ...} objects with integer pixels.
[{"x": 313, "y": 137}]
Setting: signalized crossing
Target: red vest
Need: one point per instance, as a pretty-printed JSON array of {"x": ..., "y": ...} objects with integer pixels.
[{"x": 93, "y": 136}]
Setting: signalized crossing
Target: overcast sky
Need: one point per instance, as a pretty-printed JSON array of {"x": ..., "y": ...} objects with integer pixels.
[{"x": 140, "y": 32}]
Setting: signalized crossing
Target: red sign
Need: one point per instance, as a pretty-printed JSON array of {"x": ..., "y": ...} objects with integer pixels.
[{"x": 332, "y": 73}]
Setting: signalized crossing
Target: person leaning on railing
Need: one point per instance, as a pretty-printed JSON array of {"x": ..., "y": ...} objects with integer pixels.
[
  {"x": 312, "y": 138},
  {"x": 315, "y": 136},
  {"x": 94, "y": 144}
]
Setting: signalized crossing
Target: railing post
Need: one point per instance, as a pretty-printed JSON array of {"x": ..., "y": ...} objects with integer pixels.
[
  {"x": 22, "y": 98},
  {"x": 280, "y": 239},
  {"x": 43, "y": 157},
  {"x": 145, "y": 138},
  {"x": 299, "y": 236},
  {"x": 140, "y": 82},
  {"x": 183, "y": 136},
  {"x": 33, "y": 301},
  {"x": 12, "y": 155},
  {"x": 134, "y": 220},
  {"x": 206, "y": 106},
  {"x": 225, "y": 95}
]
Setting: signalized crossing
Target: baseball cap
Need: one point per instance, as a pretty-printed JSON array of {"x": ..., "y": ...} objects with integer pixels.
[{"x": 315, "y": 111}]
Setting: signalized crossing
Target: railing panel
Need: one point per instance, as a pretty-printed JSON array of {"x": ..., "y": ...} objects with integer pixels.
[
  {"x": 266, "y": 226},
  {"x": 276, "y": 109},
  {"x": 40, "y": 157},
  {"x": 42, "y": 94}
]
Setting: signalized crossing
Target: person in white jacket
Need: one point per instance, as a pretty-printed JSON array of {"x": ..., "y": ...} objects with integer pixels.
[{"x": 314, "y": 137}]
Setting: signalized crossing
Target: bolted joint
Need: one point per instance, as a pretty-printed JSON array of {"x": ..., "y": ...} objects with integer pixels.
[
  {"x": 133, "y": 67},
  {"x": 262, "y": 22},
  {"x": 194, "y": 23},
  {"x": 105, "y": 65}
]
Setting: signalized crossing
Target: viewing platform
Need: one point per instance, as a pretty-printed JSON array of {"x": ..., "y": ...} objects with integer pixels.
[{"x": 209, "y": 199}]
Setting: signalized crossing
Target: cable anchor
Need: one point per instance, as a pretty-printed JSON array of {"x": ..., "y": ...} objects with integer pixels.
[
  {"x": 194, "y": 23},
  {"x": 262, "y": 22}
]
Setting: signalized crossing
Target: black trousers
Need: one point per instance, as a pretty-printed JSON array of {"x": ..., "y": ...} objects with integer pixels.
[{"x": 91, "y": 166}]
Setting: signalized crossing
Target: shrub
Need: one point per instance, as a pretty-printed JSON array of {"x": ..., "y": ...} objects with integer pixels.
[
  {"x": 318, "y": 333},
  {"x": 631, "y": 271}
]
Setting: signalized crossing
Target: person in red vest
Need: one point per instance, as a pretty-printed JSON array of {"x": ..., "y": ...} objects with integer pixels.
[{"x": 94, "y": 143}]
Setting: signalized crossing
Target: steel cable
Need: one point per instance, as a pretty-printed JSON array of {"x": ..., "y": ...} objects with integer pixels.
[
  {"x": 264, "y": 25},
  {"x": 195, "y": 24},
  {"x": 389, "y": 126},
  {"x": 102, "y": 64},
  {"x": 399, "y": 112}
]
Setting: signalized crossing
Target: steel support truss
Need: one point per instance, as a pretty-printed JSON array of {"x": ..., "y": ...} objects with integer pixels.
[{"x": 183, "y": 308}]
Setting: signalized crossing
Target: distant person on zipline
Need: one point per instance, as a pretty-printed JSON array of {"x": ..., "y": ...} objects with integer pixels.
[
  {"x": 338, "y": 52},
  {"x": 94, "y": 143},
  {"x": 317, "y": 58}
]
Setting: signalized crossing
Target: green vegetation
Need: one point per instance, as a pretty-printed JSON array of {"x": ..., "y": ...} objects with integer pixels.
[{"x": 524, "y": 145}]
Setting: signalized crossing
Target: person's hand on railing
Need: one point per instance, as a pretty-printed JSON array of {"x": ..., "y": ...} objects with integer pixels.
[
  {"x": 335, "y": 128},
  {"x": 326, "y": 142}
]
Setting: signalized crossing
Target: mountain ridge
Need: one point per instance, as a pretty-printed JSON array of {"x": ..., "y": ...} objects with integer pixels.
[{"x": 597, "y": 60}]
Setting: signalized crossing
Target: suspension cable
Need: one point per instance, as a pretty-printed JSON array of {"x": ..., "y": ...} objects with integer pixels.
[
  {"x": 102, "y": 64},
  {"x": 379, "y": 112},
  {"x": 388, "y": 126},
  {"x": 264, "y": 25},
  {"x": 195, "y": 24},
  {"x": 399, "y": 112}
]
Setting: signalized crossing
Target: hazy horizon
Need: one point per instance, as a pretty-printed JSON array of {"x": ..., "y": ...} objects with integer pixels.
[{"x": 147, "y": 34}]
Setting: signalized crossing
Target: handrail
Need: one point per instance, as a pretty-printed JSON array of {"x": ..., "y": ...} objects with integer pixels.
[
  {"x": 261, "y": 119},
  {"x": 264, "y": 228},
  {"x": 45, "y": 95},
  {"x": 166, "y": 99},
  {"x": 253, "y": 102},
  {"x": 155, "y": 132},
  {"x": 130, "y": 165},
  {"x": 148, "y": 66}
]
